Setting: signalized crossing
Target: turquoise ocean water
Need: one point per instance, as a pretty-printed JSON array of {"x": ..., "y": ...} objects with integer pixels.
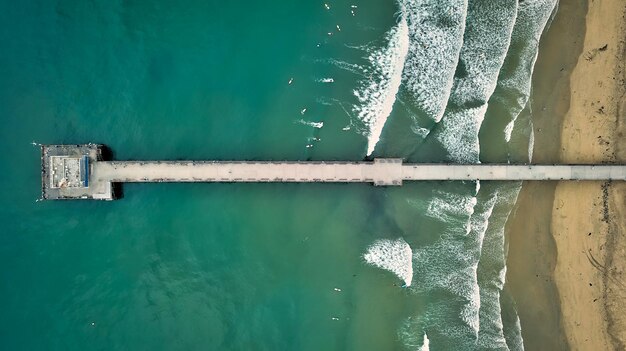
[{"x": 263, "y": 266}]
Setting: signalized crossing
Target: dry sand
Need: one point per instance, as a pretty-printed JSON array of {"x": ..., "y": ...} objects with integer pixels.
[
  {"x": 588, "y": 222},
  {"x": 568, "y": 250}
]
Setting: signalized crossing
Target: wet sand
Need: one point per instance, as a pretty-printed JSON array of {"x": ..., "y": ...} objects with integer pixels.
[
  {"x": 567, "y": 248},
  {"x": 588, "y": 221}
]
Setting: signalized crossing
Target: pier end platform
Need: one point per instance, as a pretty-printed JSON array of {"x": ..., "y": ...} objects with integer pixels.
[{"x": 66, "y": 173}]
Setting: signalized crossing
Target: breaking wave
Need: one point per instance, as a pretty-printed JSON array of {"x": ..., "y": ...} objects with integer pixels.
[
  {"x": 376, "y": 94},
  {"x": 514, "y": 84},
  {"x": 436, "y": 36},
  {"x": 484, "y": 48},
  {"x": 425, "y": 345},
  {"x": 392, "y": 255},
  {"x": 459, "y": 57}
]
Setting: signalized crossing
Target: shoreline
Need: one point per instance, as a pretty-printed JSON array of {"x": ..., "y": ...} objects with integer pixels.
[
  {"x": 532, "y": 252},
  {"x": 588, "y": 220},
  {"x": 566, "y": 238}
]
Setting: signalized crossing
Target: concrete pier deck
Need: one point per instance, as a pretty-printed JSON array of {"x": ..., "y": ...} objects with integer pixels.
[
  {"x": 512, "y": 172},
  {"x": 99, "y": 175},
  {"x": 379, "y": 172}
]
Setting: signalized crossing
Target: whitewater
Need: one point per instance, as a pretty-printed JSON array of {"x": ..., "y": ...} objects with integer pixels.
[
  {"x": 457, "y": 61},
  {"x": 377, "y": 94}
]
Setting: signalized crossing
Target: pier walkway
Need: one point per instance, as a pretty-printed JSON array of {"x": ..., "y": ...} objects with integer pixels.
[
  {"x": 92, "y": 177},
  {"x": 379, "y": 172}
]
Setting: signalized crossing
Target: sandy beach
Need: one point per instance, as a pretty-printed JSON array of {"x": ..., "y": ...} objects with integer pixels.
[
  {"x": 567, "y": 247},
  {"x": 588, "y": 221}
]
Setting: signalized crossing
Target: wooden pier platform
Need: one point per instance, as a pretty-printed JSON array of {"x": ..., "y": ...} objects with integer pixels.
[{"x": 100, "y": 175}]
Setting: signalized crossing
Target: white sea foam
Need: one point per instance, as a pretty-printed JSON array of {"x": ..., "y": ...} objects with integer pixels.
[
  {"x": 491, "y": 336},
  {"x": 479, "y": 223},
  {"x": 311, "y": 124},
  {"x": 468, "y": 260},
  {"x": 484, "y": 49},
  {"x": 420, "y": 131},
  {"x": 436, "y": 321},
  {"x": 513, "y": 335},
  {"x": 446, "y": 265},
  {"x": 485, "y": 45},
  {"x": 426, "y": 345},
  {"x": 377, "y": 94},
  {"x": 458, "y": 134},
  {"x": 346, "y": 66},
  {"x": 515, "y": 84},
  {"x": 325, "y": 80},
  {"x": 451, "y": 263},
  {"x": 413, "y": 335},
  {"x": 392, "y": 255},
  {"x": 508, "y": 130},
  {"x": 493, "y": 260},
  {"x": 435, "y": 39},
  {"x": 449, "y": 207},
  {"x": 531, "y": 143},
  {"x": 353, "y": 122}
]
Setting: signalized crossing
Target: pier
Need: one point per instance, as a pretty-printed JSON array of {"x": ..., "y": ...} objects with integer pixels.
[{"x": 83, "y": 172}]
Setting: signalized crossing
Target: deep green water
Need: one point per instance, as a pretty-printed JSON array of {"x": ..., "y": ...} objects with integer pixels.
[
  {"x": 231, "y": 266},
  {"x": 182, "y": 266}
]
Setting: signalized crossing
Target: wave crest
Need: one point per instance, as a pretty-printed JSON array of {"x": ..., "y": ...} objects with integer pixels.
[{"x": 392, "y": 255}]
